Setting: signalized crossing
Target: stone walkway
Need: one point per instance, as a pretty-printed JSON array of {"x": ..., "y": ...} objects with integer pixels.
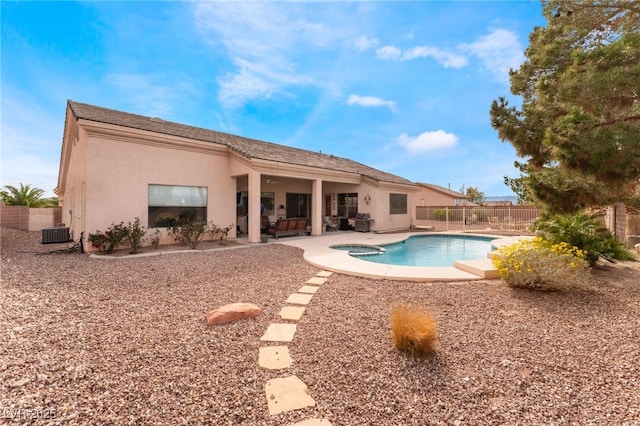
[{"x": 289, "y": 393}]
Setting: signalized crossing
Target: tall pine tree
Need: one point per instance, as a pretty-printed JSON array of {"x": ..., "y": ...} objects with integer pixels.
[{"x": 579, "y": 124}]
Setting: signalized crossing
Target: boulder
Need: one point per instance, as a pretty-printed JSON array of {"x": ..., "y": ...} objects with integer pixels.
[{"x": 232, "y": 312}]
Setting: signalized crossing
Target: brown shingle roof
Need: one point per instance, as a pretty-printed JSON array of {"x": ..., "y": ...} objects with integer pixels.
[
  {"x": 443, "y": 190},
  {"x": 249, "y": 148}
]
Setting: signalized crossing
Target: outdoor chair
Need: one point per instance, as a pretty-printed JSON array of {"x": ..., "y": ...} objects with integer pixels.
[{"x": 329, "y": 224}]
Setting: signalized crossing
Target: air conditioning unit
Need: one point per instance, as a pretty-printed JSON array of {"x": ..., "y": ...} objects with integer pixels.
[{"x": 55, "y": 235}]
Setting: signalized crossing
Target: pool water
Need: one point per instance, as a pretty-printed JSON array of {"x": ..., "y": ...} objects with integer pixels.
[{"x": 426, "y": 250}]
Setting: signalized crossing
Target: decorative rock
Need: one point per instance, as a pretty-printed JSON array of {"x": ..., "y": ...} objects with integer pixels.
[
  {"x": 279, "y": 333},
  {"x": 287, "y": 394},
  {"x": 309, "y": 289},
  {"x": 20, "y": 383},
  {"x": 232, "y": 312},
  {"x": 274, "y": 357},
  {"x": 292, "y": 313},
  {"x": 299, "y": 299},
  {"x": 316, "y": 280}
]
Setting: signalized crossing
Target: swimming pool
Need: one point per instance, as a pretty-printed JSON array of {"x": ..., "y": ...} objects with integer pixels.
[{"x": 423, "y": 250}]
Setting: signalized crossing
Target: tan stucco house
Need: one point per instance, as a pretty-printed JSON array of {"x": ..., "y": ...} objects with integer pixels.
[
  {"x": 116, "y": 166},
  {"x": 434, "y": 195}
]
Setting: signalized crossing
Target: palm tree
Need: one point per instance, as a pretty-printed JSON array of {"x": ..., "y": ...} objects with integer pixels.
[{"x": 26, "y": 196}]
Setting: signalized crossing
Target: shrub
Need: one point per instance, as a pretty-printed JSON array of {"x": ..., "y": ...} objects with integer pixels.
[
  {"x": 155, "y": 239},
  {"x": 130, "y": 234},
  {"x": 540, "y": 265},
  {"x": 134, "y": 235},
  {"x": 108, "y": 241},
  {"x": 442, "y": 214},
  {"x": 190, "y": 233},
  {"x": 413, "y": 331},
  {"x": 584, "y": 232},
  {"x": 219, "y": 233}
]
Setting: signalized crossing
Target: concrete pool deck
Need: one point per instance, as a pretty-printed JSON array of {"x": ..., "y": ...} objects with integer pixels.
[{"x": 317, "y": 251}]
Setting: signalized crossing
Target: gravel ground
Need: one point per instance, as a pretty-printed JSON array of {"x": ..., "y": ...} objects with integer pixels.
[{"x": 124, "y": 342}]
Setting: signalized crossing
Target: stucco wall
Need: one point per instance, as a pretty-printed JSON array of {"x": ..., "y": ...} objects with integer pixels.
[
  {"x": 44, "y": 218},
  {"x": 108, "y": 181},
  {"x": 30, "y": 219},
  {"x": 435, "y": 198},
  {"x": 386, "y": 221}
]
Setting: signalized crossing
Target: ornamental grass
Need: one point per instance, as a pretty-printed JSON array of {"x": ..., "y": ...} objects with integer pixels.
[{"x": 413, "y": 330}]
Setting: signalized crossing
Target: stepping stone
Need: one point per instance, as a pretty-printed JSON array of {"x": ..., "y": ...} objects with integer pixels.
[
  {"x": 287, "y": 394},
  {"x": 274, "y": 357},
  {"x": 279, "y": 333},
  {"x": 316, "y": 281},
  {"x": 299, "y": 299},
  {"x": 310, "y": 289},
  {"x": 312, "y": 422},
  {"x": 325, "y": 274},
  {"x": 292, "y": 313}
]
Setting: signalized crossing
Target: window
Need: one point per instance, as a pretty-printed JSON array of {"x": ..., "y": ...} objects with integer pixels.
[
  {"x": 398, "y": 203},
  {"x": 173, "y": 204},
  {"x": 348, "y": 204}
]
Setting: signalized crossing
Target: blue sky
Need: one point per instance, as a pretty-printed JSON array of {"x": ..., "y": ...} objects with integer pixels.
[{"x": 401, "y": 86}]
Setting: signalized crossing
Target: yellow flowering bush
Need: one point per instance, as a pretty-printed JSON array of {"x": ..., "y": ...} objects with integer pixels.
[{"x": 540, "y": 265}]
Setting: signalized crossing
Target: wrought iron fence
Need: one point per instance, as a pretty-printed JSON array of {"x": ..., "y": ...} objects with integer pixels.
[{"x": 502, "y": 219}]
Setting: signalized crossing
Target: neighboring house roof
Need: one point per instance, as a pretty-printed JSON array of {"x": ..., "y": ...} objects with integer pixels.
[
  {"x": 246, "y": 147},
  {"x": 444, "y": 190}
]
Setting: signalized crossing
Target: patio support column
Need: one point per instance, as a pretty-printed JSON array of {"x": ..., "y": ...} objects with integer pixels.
[
  {"x": 253, "y": 224},
  {"x": 316, "y": 205}
]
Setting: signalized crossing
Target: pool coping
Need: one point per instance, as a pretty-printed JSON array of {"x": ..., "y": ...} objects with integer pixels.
[{"x": 317, "y": 251}]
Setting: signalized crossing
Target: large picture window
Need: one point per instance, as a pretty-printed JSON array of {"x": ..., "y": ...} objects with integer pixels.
[
  {"x": 397, "y": 203},
  {"x": 170, "y": 205}
]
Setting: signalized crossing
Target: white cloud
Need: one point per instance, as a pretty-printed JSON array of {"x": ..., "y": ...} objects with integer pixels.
[
  {"x": 364, "y": 43},
  {"x": 390, "y": 53},
  {"x": 444, "y": 58},
  {"x": 371, "y": 101},
  {"x": 427, "y": 141},
  {"x": 499, "y": 50},
  {"x": 259, "y": 37},
  {"x": 236, "y": 89}
]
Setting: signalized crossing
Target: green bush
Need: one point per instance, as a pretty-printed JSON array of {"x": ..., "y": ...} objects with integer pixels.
[
  {"x": 134, "y": 235},
  {"x": 586, "y": 233},
  {"x": 539, "y": 265},
  {"x": 441, "y": 214},
  {"x": 109, "y": 240},
  {"x": 190, "y": 233},
  {"x": 130, "y": 234}
]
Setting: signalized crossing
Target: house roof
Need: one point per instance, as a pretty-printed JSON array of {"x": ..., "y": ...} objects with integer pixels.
[
  {"x": 443, "y": 190},
  {"x": 246, "y": 147}
]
